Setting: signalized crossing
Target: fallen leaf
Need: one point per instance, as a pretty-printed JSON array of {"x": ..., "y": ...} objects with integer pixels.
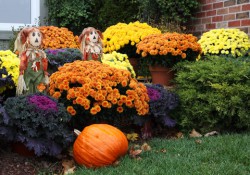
[
  {"x": 198, "y": 141},
  {"x": 68, "y": 167},
  {"x": 145, "y": 147},
  {"x": 212, "y": 133},
  {"x": 163, "y": 150},
  {"x": 134, "y": 153},
  {"x": 132, "y": 137},
  {"x": 179, "y": 135},
  {"x": 194, "y": 133},
  {"x": 116, "y": 163}
]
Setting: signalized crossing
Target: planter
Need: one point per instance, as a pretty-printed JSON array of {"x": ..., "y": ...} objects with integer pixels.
[
  {"x": 162, "y": 75},
  {"x": 21, "y": 149}
]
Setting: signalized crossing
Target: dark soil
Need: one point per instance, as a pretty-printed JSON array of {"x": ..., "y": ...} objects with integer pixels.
[{"x": 12, "y": 163}]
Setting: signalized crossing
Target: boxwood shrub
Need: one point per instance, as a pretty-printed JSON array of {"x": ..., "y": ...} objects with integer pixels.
[{"x": 214, "y": 94}]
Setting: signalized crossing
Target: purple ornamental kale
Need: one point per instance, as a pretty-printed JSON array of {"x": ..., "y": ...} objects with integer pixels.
[{"x": 43, "y": 102}]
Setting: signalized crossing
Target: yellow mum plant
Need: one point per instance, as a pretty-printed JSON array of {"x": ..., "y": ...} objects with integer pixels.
[
  {"x": 123, "y": 37},
  {"x": 225, "y": 42},
  {"x": 118, "y": 60},
  {"x": 10, "y": 62},
  {"x": 168, "y": 48},
  {"x": 93, "y": 92},
  {"x": 57, "y": 38}
]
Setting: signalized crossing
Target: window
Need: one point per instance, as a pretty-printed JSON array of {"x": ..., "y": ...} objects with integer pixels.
[{"x": 16, "y": 13}]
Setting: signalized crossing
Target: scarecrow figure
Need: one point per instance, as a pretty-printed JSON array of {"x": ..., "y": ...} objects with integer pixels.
[
  {"x": 33, "y": 75},
  {"x": 91, "y": 44}
]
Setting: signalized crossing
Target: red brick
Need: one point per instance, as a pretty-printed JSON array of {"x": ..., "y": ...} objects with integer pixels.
[
  {"x": 202, "y": 1},
  {"x": 242, "y": 15},
  {"x": 245, "y": 7},
  {"x": 210, "y": 26},
  {"x": 206, "y": 20},
  {"x": 207, "y": 7},
  {"x": 200, "y": 14},
  {"x": 229, "y": 17},
  {"x": 242, "y": 1},
  {"x": 229, "y": 3},
  {"x": 244, "y": 29},
  {"x": 233, "y": 23},
  {"x": 217, "y": 5},
  {"x": 222, "y": 11},
  {"x": 245, "y": 22},
  {"x": 217, "y": 18},
  {"x": 196, "y": 21},
  {"x": 211, "y": 13},
  {"x": 210, "y": 1},
  {"x": 234, "y": 9}
]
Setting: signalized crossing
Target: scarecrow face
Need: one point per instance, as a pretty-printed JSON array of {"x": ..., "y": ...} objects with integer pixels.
[
  {"x": 35, "y": 38},
  {"x": 93, "y": 36}
]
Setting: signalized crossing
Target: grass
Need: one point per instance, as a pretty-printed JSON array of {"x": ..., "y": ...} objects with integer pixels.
[{"x": 217, "y": 155}]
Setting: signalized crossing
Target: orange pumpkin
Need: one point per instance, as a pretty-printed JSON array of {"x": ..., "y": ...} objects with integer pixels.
[{"x": 99, "y": 145}]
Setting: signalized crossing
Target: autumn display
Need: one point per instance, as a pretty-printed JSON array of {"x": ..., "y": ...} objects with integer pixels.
[
  {"x": 58, "y": 37},
  {"x": 94, "y": 91}
]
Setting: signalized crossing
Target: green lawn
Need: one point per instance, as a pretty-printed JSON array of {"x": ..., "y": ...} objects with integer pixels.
[{"x": 217, "y": 155}]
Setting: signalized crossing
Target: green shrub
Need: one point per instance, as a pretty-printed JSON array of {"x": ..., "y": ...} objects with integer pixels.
[{"x": 214, "y": 94}]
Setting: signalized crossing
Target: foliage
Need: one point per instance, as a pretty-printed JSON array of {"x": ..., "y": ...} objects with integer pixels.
[
  {"x": 155, "y": 11},
  {"x": 10, "y": 62},
  {"x": 232, "y": 42},
  {"x": 95, "y": 92},
  {"x": 38, "y": 121},
  {"x": 167, "y": 49},
  {"x": 161, "y": 103},
  {"x": 214, "y": 94},
  {"x": 123, "y": 37},
  {"x": 58, "y": 57},
  {"x": 111, "y": 12},
  {"x": 56, "y": 38},
  {"x": 74, "y": 15},
  {"x": 119, "y": 61}
]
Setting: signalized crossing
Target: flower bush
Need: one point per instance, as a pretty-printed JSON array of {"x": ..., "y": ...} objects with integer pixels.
[
  {"x": 168, "y": 48},
  {"x": 10, "y": 62},
  {"x": 38, "y": 121},
  {"x": 225, "y": 42},
  {"x": 58, "y": 57},
  {"x": 161, "y": 103},
  {"x": 56, "y": 38},
  {"x": 123, "y": 37},
  {"x": 118, "y": 60},
  {"x": 93, "y": 92}
]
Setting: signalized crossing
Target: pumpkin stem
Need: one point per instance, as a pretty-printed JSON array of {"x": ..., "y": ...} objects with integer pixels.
[{"x": 77, "y": 132}]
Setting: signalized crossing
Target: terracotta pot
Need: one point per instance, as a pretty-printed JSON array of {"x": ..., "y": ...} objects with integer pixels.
[
  {"x": 21, "y": 149},
  {"x": 161, "y": 75}
]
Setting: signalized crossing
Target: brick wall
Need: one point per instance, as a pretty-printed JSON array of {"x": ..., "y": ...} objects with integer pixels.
[{"x": 215, "y": 14}]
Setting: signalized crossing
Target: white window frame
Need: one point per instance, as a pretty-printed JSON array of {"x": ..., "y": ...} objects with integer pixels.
[{"x": 35, "y": 13}]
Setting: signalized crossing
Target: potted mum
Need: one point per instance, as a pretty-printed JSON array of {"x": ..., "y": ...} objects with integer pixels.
[
  {"x": 118, "y": 60},
  {"x": 123, "y": 38},
  {"x": 37, "y": 121},
  {"x": 162, "y": 51},
  {"x": 58, "y": 57},
  {"x": 227, "y": 42},
  {"x": 94, "y": 92}
]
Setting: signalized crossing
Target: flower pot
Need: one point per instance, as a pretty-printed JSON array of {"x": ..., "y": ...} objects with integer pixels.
[
  {"x": 161, "y": 75},
  {"x": 21, "y": 149}
]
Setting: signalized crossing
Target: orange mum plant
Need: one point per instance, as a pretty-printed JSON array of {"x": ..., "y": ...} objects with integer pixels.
[
  {"x": 168, "y": 48},
  {"x": 94, "y": 92},
  {"x": 56, "y": 38}
]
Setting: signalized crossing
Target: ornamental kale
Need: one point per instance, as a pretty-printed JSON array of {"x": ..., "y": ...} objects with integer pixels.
[
  {"x": 38, "y": 121},
  {"x": 161, "y": 103}
]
